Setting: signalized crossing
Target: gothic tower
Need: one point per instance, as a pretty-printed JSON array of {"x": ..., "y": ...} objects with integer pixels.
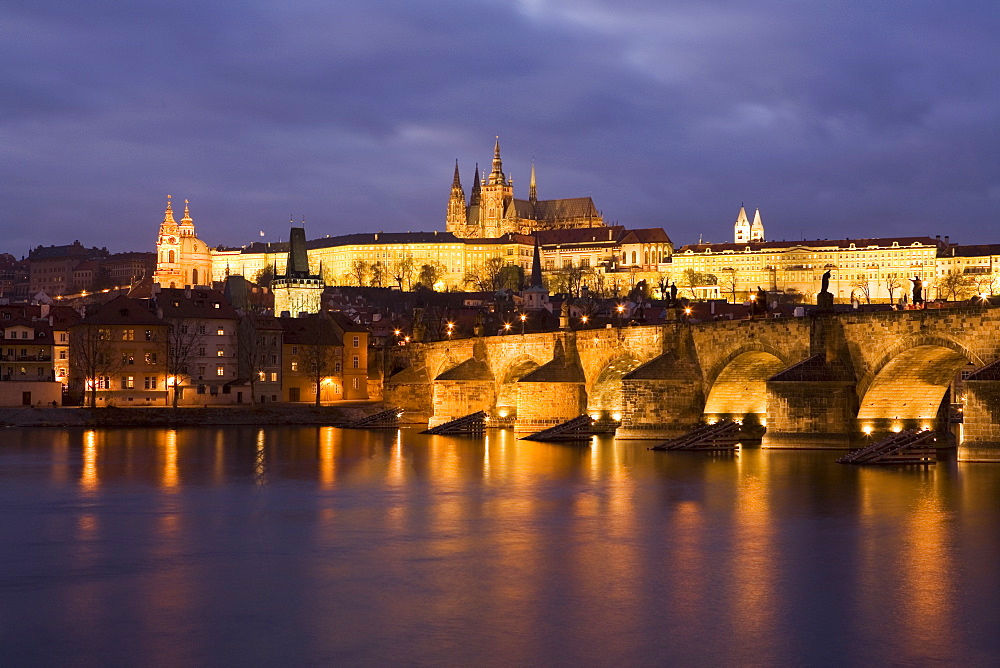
[
  {"x": 757, "y": 227},
  {"x": 497, "y": 193},
  {"x": 741, "y": 229},
  {"x": 457, "y": 214}
]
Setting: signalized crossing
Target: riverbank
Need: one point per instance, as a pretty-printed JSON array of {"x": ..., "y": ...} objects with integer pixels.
[{"x": 165, "y": 416}]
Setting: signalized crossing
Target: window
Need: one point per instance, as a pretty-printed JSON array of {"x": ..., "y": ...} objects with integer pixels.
[
  {"x": 261, "y": 376},
  {"x": 274, "y": 376},
  {"x": 184, "y": 329},
  {"x": 62, "y": 354},
  {"x": 295, "y": 366},
  {"x": 220, "y": 371},
  {"x": 62, "y": 337},
  {"x": 584, "y": 261},
  {"x": 201, "y": 370},
  {"x": 274, "y": 359},
  {"x": 128, "y": 358},
  {"x": 357, "y": 341},
  {"x": 336, "y": 366},
  {"x": 128, "y": 335},
  {"x": 104, "y": 382},
  {"x": 220, "y": 353},
  {"x": 201, "y": 329},
  {"x": 201, "y": 389},
  {"x": 128, "y": 382},
  {"x": 201, "y": 351},
  {"x": 149, "y": 383},
  {"x": 149, "y": 335},
  {"x": 295, "y": 350},
  {"x": 150, "y": 358},
  {"x": 221, "y": 331},
  {"x": 357, "y": 362},
  {"x": 357, "y": 383}
]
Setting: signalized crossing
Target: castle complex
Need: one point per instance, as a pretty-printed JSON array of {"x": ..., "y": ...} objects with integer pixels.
[{"x": 493, "y": 211}]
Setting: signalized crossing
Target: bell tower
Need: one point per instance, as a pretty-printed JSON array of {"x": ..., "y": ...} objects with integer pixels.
[
  {"x": 497, "y": 192},
  {"x": 168, "y": 251}
]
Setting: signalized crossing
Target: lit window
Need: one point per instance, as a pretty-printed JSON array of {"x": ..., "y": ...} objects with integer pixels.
[
  {"x": 221, "y": 331},
  {"x": 220, "y": 353},
  {"x": 295, "y": 366},
  {"x": 128, "y": 382},
  {"x": 274, "y": 376},
  {"x": 128, "y": 335},
  {"x": 220, "y": 371}
]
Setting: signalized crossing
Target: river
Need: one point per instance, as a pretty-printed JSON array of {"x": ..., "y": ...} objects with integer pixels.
[{"x": 286, "y": 546}]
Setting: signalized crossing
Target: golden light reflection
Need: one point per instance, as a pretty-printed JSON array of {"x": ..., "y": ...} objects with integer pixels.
[
  {"x": 326, "y": 457},
  {"x": 89, "y": 479},
  {"x": 219, "y": 472},
  {"x": 170, "y": 479},
  {"x": 260, "y": 459},
  {"x": 60, "y": 458}
]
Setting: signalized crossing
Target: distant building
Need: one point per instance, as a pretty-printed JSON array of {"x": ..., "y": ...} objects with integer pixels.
[
  {"x": 297, "y": 290},
  {"x": 493, "y": 211},
  {"x": 52, "y": 269},
  {"x": 27, "y": 367},
  {"x": 182, "y": 258}
]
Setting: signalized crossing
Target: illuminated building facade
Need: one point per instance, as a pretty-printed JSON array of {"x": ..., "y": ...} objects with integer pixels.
[
  {"x": 181, "y": 257},
  {"x": 493, "y": 211}
]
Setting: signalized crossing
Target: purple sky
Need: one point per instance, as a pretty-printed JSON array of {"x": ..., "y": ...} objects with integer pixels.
[{"x": 836, "y": 118}]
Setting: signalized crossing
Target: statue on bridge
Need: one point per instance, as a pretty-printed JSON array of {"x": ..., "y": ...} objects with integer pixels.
[
  {"x": 673, "y": 294},
  {"x": 918, "y": 290},
  {"x": 824, "y": 299}
]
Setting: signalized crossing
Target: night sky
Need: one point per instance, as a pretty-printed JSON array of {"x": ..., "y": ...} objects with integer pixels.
[{"x": 856, "y": 118}]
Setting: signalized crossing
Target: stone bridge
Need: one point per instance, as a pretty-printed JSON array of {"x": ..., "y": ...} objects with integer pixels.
[{"x": 832, "y": 376}]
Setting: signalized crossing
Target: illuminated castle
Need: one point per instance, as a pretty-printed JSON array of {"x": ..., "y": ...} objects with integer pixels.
[
  {"x": 492, "y": 210},
  {"x": 181, "y": 257}
]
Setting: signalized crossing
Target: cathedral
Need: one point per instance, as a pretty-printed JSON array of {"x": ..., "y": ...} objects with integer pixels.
[
  {"x": 181, "y": 257},
  {"x": 492, "y": 210},
  {"x": 744, "y": 231}
]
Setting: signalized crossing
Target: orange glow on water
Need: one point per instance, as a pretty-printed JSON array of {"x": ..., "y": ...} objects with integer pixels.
[{"x": 89, "y": 479}]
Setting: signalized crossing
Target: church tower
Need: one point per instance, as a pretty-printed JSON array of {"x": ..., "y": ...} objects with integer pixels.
[
  {"x": 742, "y": 227},
  {"x": 181, "y": 257},
  {"x": 497, "y": 193},
  {"x": 456, "y": 218},
  {"x": 298, "y": 290},
  {"x": 757, "y": 227},
  {"x": 168, "y": 251}
]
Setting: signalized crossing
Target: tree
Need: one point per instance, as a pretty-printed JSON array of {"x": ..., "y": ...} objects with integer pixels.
[
  {"x": 265, "y": 275},
  {"x": 401, "y": 271},
  {"x": 378, "y": 274},
  {"x": 430, "y": 274},
  {"x": 728, "y": 281},
  {"x": 863, "y": 285},
  {"x": 92, "y": 358},
  {"x": 512, "y": 278},
  {"x": 985, "y": 283},
  {"x": 891, "y": 283},
  {"x": 955, "y": 286},
  {"x": 180, "y": 348},
  {"x": 358, "y": 271},
  {"x": 486, "y": 277},
  {"x": 663, "y": 285},
  {"x": 257, "y": 346},
  {"x": 318, "y": 353}
]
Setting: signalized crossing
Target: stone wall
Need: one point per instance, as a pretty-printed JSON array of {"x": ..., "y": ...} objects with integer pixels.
[
  {"x": 454, "y": 399},
  {"x": 543, "y": 405}
]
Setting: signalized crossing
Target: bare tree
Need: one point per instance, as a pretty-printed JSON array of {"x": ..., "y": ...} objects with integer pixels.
[
  {"x": 358, "y": 271},
  {"x": 180, "y": 348},
  {"x": 986, "y": 283},
  {"x": 891, "y": 283},
  {"x": 93, "y": 358},
  {"x": 486, "y": 277},
  {"x": 863, "y": 285},
  {"x": 955, "y": 286},
  {"x": 728, "y": 281},
  {"x": 318, "y": 354},
  {"x": 265, "y": 275},
  {"x": 663, "y": 284},
  {"x": 257, "y": 347},
  {"x": 378, "y": 274},
  {"x": 401, "y": 271}
]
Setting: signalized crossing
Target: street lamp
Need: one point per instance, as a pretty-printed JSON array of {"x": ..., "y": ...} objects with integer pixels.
[
  {"x": 523, "y": 316},
  {"x": 583, "y": 319},
  {"x": 507, "y": 326}
]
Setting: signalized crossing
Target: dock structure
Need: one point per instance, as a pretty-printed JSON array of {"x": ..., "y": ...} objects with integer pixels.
[
  {"x": 387, "y": 419},
  {"x": 578, "y": 429},
  {"x": 910, "y": 446},
  {"x": 473, "y": 424},
  {"x": 721, "y": 436}
]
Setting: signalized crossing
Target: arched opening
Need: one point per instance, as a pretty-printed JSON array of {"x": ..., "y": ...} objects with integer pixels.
[
  {"x": 170, "y": 256},
  {"x": 740, "y": 388},
  {"x": 605, "y": 398},
  {"x": 913, "y": 390},
  {"x": 507, "y": 390},
  {"x": 194, "y": 277}
]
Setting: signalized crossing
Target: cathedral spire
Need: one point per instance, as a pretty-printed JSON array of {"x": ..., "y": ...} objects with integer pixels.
[
  {"x": 476, "y": 185},
  {"x": 532, "y": 189},
  {"x": 456, "y": 182},
  {"x": 496, "y": 176},
  {"x": 536, "y": 267},
  {"x": 168, "y": 215}
]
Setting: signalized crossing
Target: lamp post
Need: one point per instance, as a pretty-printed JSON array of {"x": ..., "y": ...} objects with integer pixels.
[
  {"x": 621, "y": 313},
  {"x": 506, "y": 327},
  {"x": 523, "y": 316},
  {"x": 583, "y": 320}
]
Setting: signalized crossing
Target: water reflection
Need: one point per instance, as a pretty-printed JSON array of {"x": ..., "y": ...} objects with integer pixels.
[{"x": 323, "y": 545}]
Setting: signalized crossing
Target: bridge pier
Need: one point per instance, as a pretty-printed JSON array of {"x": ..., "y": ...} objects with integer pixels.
[
  {"x": 553, "y": 393},
  {"x": 811, "y": 400},
  {"x": 461, "y": 390},
  {"x": 981, "y": 428},
  {"x": 662, "y": 398}
]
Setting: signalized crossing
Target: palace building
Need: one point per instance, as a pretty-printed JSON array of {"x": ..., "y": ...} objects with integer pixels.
[{"x": 493, "y": 211}]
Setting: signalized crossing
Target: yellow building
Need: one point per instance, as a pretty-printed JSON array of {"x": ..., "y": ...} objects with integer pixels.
[
  {"x": 182, "y": 259},
  {"x": 327, "y": 351}
]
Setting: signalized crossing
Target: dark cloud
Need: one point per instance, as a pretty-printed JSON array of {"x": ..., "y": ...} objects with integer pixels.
[{"x": 852, "y": 118}]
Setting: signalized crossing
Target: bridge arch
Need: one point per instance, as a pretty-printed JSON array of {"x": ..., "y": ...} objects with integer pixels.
[
  {"x": 906, "y": 386},
  {"x": 513, "y": 371},
  {"x": 604, "y": 393},
  {"x": 737, "y": 385}
]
